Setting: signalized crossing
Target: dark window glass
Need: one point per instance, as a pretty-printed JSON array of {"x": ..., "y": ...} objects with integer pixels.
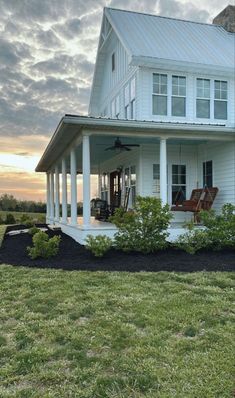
[
  {"x": 208, "y": 174},
  {"x": 178, "y": 189},
  {"x": 220, "y": 110},
  {"x": 159, "y": 105},
  {"x": 113, "y": 61},
  {"x": 178, "y": 106},
  {"x": 203, "y": 108}
]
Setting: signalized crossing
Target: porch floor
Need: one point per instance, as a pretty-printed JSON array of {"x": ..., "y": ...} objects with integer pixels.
[{"x": 79, "y": 232}]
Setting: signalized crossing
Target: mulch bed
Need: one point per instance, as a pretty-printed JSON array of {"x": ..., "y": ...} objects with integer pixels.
[{"x": 73, "y": 256}]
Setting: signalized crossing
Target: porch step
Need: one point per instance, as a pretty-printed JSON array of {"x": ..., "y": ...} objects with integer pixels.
[{"x": 54, "y": 228}]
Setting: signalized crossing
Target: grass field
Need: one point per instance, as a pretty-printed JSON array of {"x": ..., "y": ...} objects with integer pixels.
[
  {"x": 18, "y": 214},
  {"x": 117, "y": 335}
]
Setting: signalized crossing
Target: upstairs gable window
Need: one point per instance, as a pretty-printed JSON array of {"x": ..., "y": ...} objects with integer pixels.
[
  {"x": 220, "y": 99},
  {"x": 178, "y": 99},
  {"x": 127, "y": 101},
  {"x": 113, "y": 62},
  {"x": 159, "y": 94},
  {"x": 203, "y": 98},
  {"x": 132, "y": 102}
]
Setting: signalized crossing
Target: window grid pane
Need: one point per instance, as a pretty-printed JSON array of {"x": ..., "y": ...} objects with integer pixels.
[{"x": 203, "y": 88}]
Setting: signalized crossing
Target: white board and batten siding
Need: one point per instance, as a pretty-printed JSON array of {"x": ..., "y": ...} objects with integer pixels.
[{"x": 113, "y": 82}]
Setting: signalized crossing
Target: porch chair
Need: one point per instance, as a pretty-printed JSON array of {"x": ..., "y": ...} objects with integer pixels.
[{"x": 201, "y": 199}]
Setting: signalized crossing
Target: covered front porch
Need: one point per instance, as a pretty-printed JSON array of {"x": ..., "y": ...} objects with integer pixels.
[{"x": 167, "y": 158}]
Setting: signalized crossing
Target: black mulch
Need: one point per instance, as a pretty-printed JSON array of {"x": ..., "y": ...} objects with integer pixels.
[{"x": 73, "y": 256}]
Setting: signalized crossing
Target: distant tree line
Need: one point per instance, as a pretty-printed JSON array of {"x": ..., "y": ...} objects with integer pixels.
[{"x": 10, "y": 203}]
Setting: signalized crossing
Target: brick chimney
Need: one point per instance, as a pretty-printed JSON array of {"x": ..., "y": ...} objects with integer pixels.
[{"x": 226, "y": 18}]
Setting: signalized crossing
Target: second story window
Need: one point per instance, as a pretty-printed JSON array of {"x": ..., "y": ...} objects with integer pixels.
[
  {"x": 117, "y": 107},
  {"x": 203, "y": 98},
  {"x": 220, "y": 99},
  {"x": 159, "y": 94},
  {"x": 132, "y": 102},
  {"x": 113, "y": 62},
  {"x": 127, "y": 100},
  {"x": 178, "y": 99}
]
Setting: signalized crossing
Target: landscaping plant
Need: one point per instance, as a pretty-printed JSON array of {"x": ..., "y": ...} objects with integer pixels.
[
  {"x": 145, "y": 228},
  {"x": 98, "y": 245},
  {"x": 220, "y": 227},
  {"x": 219, "y": 232},
  {"x": 33, "y": 230},
  {"x": 43, "y": 246}
]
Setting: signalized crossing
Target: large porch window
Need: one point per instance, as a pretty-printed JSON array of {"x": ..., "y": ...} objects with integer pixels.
[
  {"x": 130, "y": 183},
  {"x": 156, "y": 180},
  {"x": 104, "y": 187},
  {"x": 208, "y": 174},
  {"x": 178, "y": 189}
]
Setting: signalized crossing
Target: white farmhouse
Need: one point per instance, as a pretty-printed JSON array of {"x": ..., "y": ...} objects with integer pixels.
[{"x": 161, "y": 119}]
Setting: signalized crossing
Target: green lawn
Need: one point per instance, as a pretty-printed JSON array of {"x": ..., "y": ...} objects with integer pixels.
[
  {"x": 18, "y": 214},
  {"x": 117, "y": 335}
]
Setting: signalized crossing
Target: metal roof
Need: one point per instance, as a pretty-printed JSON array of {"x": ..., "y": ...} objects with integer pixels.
[{"x": 153, "y": 36}]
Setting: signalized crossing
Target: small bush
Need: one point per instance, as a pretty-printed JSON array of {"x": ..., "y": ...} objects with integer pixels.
[
  {"x": 219, "y": 232},
  {"x": 1, "y": 220},
  {"x": 145, "y": 228},
  {"x": 220, "y": 227},
  {"x": 98, "y": 245},
  {"x": 33, "y": 230},
  {"x": 43, "y": 246},
  {"x": 10, "y": 219},
  {"x": 193, "y": 240}
]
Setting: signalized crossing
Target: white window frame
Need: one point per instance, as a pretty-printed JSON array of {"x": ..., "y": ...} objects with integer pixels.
[
  {"x": 203, "y": 97},
  {"x": 178, "y": 94},
  {"x": 160, "y": 94},
  {"x": 220, "y": 99}
]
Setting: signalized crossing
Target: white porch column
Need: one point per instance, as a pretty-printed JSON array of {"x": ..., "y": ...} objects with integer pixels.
[
  {"x": 64, "y": 192},
  {"x": 73, "y": 172},
  {"x": 48, "y": 198},
  {"x": 57, "y": 194},
  {"x": 86, "y": 179},
  {"x": 52, "y": 204},
  {"x": 163, "y": 171}
]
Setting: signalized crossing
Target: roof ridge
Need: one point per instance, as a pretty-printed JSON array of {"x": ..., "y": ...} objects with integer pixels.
[{"x": 164, "y": 17}]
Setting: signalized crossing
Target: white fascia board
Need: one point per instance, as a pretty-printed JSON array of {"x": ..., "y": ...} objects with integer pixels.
[{"x": 151, "y": 62}]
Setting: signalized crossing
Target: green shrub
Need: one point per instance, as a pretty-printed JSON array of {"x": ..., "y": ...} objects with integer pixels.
[
  {"x": 219, "y": 232},
  {"x": 193, "y": 240},
  {"x": 220, "y": 227},
  {"x": 98, "y": 245},
  {"x": 145, "y": 228},
  {"x": 10, "y": 219},
  {"x": 43, "y": 246},
  {"x": 33, "y": 230},
  {"x": 1, "y": 220},
  {"x": 24, "y": 218}
]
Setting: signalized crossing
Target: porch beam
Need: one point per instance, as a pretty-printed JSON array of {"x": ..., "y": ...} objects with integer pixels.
[
  {"x": 163, "y": 171},
  {"x": 86, "y": 167},
  {"x": 57, "y": 193},
  {"x": 48, "y": 198},
  {"x": 73, "y": 172},
  {"x": 52, "y": 203},
  {"x": 64, "y": 192}
]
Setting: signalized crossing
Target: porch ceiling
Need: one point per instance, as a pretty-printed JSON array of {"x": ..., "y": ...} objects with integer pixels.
[{"x": 103, "y": 131}]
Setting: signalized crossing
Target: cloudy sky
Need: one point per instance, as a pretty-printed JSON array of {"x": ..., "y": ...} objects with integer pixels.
[{"x": 47, "y": 54}]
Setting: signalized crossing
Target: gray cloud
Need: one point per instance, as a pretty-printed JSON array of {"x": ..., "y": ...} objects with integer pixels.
[{"x": 47, "y": 55}]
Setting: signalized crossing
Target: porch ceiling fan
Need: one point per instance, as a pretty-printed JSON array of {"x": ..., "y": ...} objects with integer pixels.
[{"x": 119, "y": 146}]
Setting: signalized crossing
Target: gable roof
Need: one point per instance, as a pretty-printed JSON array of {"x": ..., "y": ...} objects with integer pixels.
[
  {"x": 153, "y": 36},
  {"x": 156, "y": 41}
]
